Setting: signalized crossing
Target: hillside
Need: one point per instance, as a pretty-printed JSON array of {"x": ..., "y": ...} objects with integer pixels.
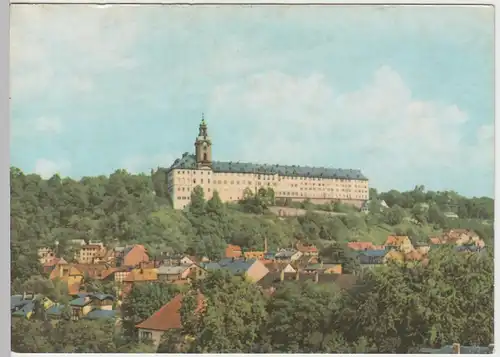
[{"x": 124, "y": 208}]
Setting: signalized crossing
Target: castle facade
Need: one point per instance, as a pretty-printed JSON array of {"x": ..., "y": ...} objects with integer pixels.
[{"x": 230, "y": 179}]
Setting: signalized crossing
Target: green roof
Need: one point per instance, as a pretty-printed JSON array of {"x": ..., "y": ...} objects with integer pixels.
[{"x": 188, "y": 161}]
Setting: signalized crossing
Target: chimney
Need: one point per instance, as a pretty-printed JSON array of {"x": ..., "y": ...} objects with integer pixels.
[
  {"x": 265, "y": 245},
  {"x": 282, "y": 274},
  {"x": 456, "y": 348},
  {"x": 297, "y": 275},
  {"x": 316, "y": 277}
]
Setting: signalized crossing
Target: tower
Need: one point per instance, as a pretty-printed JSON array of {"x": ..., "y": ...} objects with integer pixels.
[{"x": 203, "y": 146}]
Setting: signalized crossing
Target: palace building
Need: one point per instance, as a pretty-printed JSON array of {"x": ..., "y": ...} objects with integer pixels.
[{"x": 230, "y": 179}]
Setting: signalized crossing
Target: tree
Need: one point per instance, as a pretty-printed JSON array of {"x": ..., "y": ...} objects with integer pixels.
[
  {"x": 214, "y": 205},
  {"x": 197, "y": 207},
  {"x": 231, "y": 318},
  {"x": 142, "y": 301},
  {"x": 302, "y": 320},
  {"x": 394, "y": 215}
]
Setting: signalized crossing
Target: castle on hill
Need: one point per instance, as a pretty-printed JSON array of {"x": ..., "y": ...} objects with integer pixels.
[{"x": 230, "y": 179}]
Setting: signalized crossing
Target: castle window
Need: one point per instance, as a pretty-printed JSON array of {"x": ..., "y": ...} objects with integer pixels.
[
  {"x": 232, "y": 182},
  {"x": 237, "y": 182},
  {"x": 194, "y": 180},
  {"x": 208, "y": 180},
  {"x": 201, "y": 180},
  {"x": 205, "y": 156},
  {"x": 225, "y": 182}
]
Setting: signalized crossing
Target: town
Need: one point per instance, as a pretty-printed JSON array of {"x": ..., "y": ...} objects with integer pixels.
[
  {"x": 252, "y": 179},
  {"x": 91, "y": 281}
]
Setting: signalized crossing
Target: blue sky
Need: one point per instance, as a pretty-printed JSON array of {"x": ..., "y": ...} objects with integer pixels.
[{"x": 403, "y": 93}]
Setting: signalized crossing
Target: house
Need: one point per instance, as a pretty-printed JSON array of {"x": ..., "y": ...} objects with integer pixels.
[
  {"x": 469, "y": 249},
  {"x": 49, "y": 265},
  {"x": 55, "y": 311},
  {"x": 365, "y": 208},
  {"x": 288, "y": 255},
  {"x": 80, "y": 307},
  {"x": 370, "y": 258},
  {"x": 457, "y": 349},
  {"x": 413, "y": 256},
  {"x": 307, "y": 249},
  {"x": 45, "y": 255},
  {"x": 461, "y": 237},
  {"x": 269, "y": 255},
  {"x": 89, "y": 252},
  {"x": 401, "y": 243},
  {"x": 324, "y": 268},
  {"x": 86, "y": 303},
  {"x": 272, "y": 281},
  {"x": 253, "y": 269},
  {"x": 360, "y": 245},
  {"x": 169, "y": 273},
  {"x": 451, "y": 215},
  {"x": 138, "y": 276},
  {"x": 435, "y": 241},
  {"x": 394, "y": 256},
  {"x": 254, "y": 255},
  {"x": 233, "y": 251},
  {"x": 131, "y": 256},
  {"x": 422, "y": 248},
  {"x": 101, "y": 315},
  {"x": 70, "y": 274},
  {"x": 188, "y": 260},
  {"x": 24, "y": 305},
  {"x": 166, "y": 318},
  {"x": 274, "y": 266}
]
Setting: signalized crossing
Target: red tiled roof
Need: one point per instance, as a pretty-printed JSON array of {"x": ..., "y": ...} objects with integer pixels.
[
  {"x": 360, "y": 245},
  {"x": 395, "y": 240},
  {"x": 74, "y": 289},
  {"x": 54, "y": 262},
  {"x": 306, "y": 248},
  {"x": 168, "y": 317},
  {"x": 435, "y": 240},
  {"x": 144, "y": 275}
]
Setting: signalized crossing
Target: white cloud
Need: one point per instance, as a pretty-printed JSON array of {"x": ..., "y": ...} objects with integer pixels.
[
  {"x": 143, "y": 164},
  {"x": 48, "y": 125},
  {"x": 47, "y": 168},
  {"x": 46, "y": 40},
  {"x": 302, "y": 120}
]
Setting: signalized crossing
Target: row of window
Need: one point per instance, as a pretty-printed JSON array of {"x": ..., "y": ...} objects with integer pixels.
[
  {"x": 232, "y": 182},
  {"x": 273, "y": 177},
  {"x": 300, "y": 194}
]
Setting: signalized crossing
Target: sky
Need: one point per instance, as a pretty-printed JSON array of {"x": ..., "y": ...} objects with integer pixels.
[{"x": 403, "y": 93}]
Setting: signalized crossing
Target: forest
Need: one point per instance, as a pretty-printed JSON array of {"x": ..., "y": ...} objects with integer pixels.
[{"x": 394, "y": 309}]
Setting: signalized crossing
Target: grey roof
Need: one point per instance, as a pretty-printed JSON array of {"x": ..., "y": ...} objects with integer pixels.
[
  {"x": 237, "y": 266},
  {"x": 55, "y": 309},
  {"x": 80, "y": 302},
  {"x": 463, "y": 350},
  {"x": 101, "y": 314},
  {"x": 211, "y": 266},
  {"x": 373, "y": 252},
  {"x": 172, "y": 269},
  {"x": 25, "y": 309},
  {"x": 188, "y": 161},
  {"x": 285, "y": 253},
  {"x": 273, "y": 279}
]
